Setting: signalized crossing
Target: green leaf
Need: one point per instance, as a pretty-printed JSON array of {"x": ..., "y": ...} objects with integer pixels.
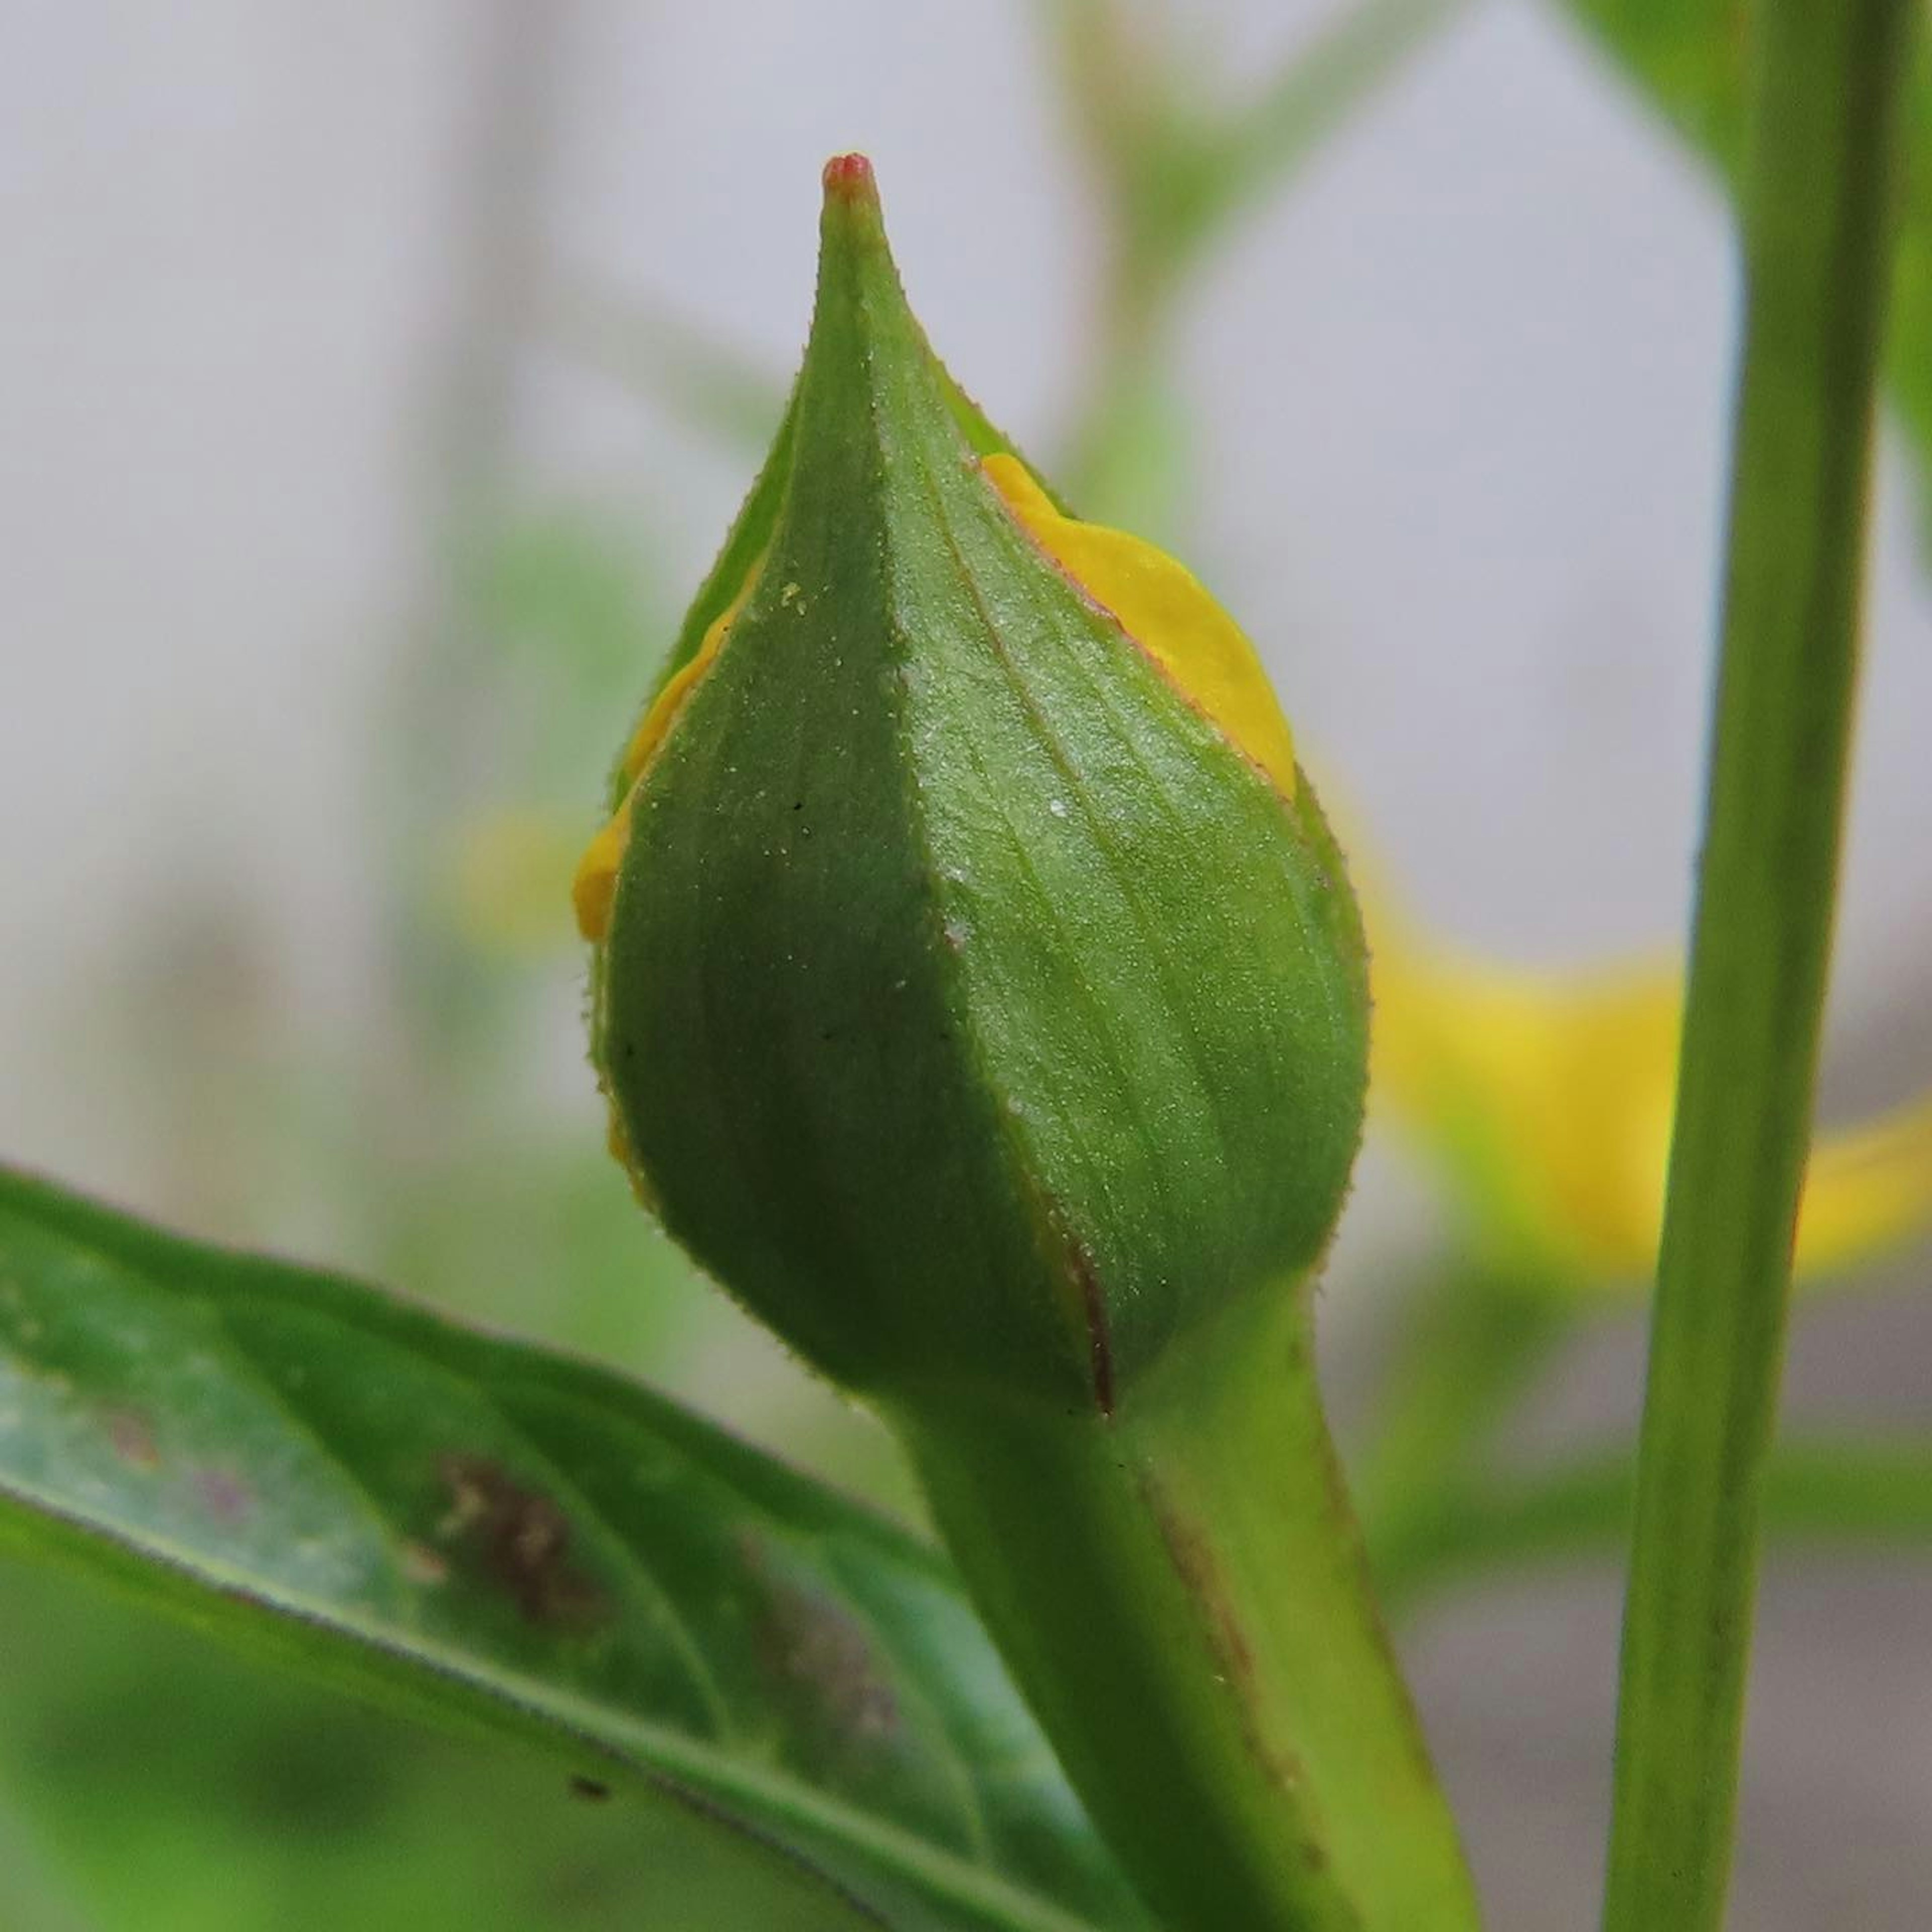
[
  {"x": 483, "y": 1532},
  {"x": 1688, "y": 58}
]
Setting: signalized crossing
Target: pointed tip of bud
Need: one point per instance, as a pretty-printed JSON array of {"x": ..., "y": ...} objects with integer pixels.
[{"x": 849, "y": 178}]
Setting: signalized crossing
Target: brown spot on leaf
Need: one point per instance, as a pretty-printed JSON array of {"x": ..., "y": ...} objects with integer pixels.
[
  {"x": 421, "y": 1565},
  {"x": 131, "y": 1436},
  {"x": 224, "y": 1495},
  {"x": 521, "y": 1539},
  {"x": 809, "y": 1642},
  {"x": 591, "y": 1789}
]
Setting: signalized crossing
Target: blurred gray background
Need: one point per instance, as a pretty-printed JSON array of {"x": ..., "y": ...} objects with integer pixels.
[{"x": 307, "y": 304}]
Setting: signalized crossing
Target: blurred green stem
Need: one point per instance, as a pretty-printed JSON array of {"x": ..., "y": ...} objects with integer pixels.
[
  {"x": 1818, "y": 191},
  {"x": 515, "y": 58},
  {"x": 1173, "y": 179}
]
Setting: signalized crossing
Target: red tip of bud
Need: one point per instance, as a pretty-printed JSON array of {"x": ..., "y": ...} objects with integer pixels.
[{"x": 849, "y": 178}]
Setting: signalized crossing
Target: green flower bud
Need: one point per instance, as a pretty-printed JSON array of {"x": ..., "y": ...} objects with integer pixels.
[
  {"x": 980, "y": 997},
  {"x": 978, "y": 993}
]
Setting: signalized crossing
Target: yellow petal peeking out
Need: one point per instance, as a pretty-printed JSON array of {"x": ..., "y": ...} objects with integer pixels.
[
  {"x": 1163, "y": 607},
  {"x": 1549, "y": 1100},
  {"x": 595, "y": 884},
  {"x": 1868, "y": 1188}
]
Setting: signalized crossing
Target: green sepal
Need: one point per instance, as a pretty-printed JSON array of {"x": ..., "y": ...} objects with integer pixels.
[{"x": 751, "y": 530}]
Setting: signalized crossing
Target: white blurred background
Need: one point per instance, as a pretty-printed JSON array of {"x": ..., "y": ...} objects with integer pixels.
[{"x": 313, "y": 314}]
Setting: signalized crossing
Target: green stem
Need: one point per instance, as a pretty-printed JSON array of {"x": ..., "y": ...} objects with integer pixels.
[
  {"x": 1817, "y": 191},
  {"x": 1179, "y": 1588}
]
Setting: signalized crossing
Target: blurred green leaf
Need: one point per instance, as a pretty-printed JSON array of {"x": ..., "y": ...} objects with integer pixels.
[
  {"x": 574, "y": 615},
  {"x": 677, "y": 361},
  {"x": 1873, "y": 1494},
  {"x": 481, "y": 1532},
  {"x": 154, "y": 1781},
  {"x": 541, "y": 1234},
  {"x": 32, "y": 1891},
  {"x": 1687, "y": 57}
]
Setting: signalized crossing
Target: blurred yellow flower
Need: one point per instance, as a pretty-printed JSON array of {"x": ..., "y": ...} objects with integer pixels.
[
  {"x": 1548, "y": 1100},
  {"x": 507, "y": 887}
]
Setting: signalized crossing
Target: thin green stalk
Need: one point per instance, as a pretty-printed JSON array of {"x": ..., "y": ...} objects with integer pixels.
[{"x": 1818, "y": 190}]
